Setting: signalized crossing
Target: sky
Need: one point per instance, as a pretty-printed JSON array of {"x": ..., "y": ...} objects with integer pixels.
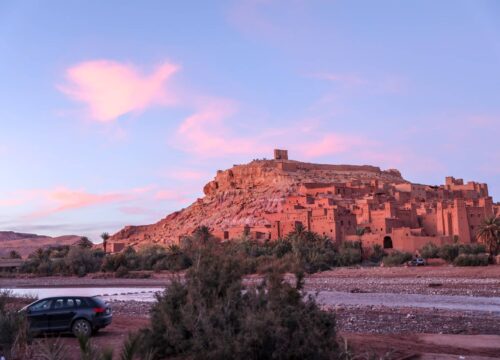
[{"x": 116, "y": 113}]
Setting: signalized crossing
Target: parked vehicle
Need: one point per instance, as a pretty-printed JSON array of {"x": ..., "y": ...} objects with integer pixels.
[
  {"x": 80, "y": 315},
  {"x": 416, "y": 262}
]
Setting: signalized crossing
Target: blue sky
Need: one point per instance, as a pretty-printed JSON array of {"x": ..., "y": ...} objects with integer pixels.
[{"x": 116, "y": 113}]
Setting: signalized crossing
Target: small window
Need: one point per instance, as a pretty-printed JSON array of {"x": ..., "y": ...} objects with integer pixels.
[
  {"x": 59, "y": 304},
  {"x": 42, "y": 305}
]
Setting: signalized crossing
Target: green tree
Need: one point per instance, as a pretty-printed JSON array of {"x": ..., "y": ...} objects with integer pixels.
[
  {"x": 84, "y": 243},
  {"x": 212, "y": 316},
  {"x": 13, "y": 254},
  {"x": 104, "y": 236},
  {"x": 489, "y": 234}
]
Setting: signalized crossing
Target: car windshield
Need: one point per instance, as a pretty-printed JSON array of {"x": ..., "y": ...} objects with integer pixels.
[{"x": 41, "y": 305}]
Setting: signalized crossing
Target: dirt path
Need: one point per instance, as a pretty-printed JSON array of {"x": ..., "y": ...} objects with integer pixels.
[{"x": 408, "y": 346}]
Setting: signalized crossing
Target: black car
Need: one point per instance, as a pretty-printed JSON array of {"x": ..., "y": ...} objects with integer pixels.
[{"x": 78, "y": 314}]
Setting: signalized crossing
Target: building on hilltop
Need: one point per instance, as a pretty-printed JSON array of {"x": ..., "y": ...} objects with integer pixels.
[
  {"x": 280, "y": 154},
  {"x": 267, "y": 199},
  {"x": 396, "y": 216}
]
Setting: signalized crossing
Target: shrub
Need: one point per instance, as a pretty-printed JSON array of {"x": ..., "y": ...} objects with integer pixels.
[
  {"x": 13, "y": 329},
  {"x": 211, "y": 317},
  {"x": 429, "y": 251},
  {"x": 121, "y": 272},
  {"x": 349, "y": 253},
  {"x": 473, "y": 249},
  {"x": 449, "y": 252},
  {"x": 82, "y": 260},
  {"x": 313, "y": 253},
  {"x": 377, "y": 253},
  {"x": 397, "y": 258},
  {"x": 471, "y": 260}
]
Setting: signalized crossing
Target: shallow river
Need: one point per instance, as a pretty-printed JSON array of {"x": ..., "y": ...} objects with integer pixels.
[{"x": 146, "y": 294}]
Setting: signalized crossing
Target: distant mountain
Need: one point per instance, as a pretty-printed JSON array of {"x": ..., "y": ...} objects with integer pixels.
[{"x": 25, "y": 244}]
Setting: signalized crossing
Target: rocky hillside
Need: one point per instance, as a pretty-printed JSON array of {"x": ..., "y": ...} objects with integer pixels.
[
  {"x": 240, "y": 195},
  {"x": 25, "y": 244}
]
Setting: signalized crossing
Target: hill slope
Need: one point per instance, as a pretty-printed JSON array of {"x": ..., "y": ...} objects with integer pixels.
[
  {"x": 25, "y": 244},
  {"x": 241, "y": 195}
]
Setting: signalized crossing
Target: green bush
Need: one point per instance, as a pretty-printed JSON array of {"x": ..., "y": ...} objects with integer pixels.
[
  {"x": 449, "y": 252},
  {"x": 13, "y": 329},
  {"x": 397, "y": 258},
  {"x": 349, "y": 253},
  {"x": 472, "y": 249},
  {"x": 471, "y": 260},
  {"x": 121, "y": 272},
  {"x": 430, "y": 251},
  {"x": 81, "y": 260},
  {"x": 377, "y": 253},
  {"x": 211, "y": 317},
  {"x": 313, "y": 253}
]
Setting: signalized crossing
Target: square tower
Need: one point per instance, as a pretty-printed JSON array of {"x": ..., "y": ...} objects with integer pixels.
[{"x": 280, "y": 154}]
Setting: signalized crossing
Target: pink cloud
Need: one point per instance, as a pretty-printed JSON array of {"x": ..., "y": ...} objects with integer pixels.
[
  {"x": 12, "y": 202},
  {"x": 110, "y": 89},
  {"x": 136, "y": 210},
  {"x": 64, "y": 199},
  {"x": 205, "y": 133},
  {"x": 185, "y": 174},
  {"x": 330, "y": 144}
]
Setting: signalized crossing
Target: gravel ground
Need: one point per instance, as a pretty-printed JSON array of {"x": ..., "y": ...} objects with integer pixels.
[{"x": 432, "y": 285}]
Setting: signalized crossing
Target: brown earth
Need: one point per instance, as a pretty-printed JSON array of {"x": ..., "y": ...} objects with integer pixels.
[{"x": 408, "y": 346}]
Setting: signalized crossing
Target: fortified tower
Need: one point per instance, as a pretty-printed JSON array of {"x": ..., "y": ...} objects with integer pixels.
[{"x": 280, "y": 154}]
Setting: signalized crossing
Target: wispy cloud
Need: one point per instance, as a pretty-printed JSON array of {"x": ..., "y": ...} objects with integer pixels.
[
  {"x": 383, "y": 84},
  {"x": 344, "y": 79},
  {"x": 206, "y": 134},
  {"x": 110, "y": 89},
  {"x": 187, "y": 174},
  {"x": 330, "y": 144},
  {"x": 64, "y": 199}
]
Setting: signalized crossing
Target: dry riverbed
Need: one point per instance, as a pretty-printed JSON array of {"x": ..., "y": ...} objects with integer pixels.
[{"x": 370, "y": 313}]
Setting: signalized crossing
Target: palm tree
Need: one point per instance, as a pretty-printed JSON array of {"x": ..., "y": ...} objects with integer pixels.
[
  {"x": 489, "y": 234},
  {"x": 14, "y": 255},
  {"x": 104, "y": 237},
  {"x": 360, "y": 231},
  {"x": 202, "y": 234}
]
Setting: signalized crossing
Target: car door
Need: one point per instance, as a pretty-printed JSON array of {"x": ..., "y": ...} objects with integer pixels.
[
  {"x": 38, "y": 315},
  {"x": 61, "y": 313}
]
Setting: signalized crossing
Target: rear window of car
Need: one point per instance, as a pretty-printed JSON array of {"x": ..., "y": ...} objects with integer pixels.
[{"x": 99, "y": 301}]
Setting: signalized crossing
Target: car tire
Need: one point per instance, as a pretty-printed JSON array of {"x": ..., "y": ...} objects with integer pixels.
[{"x": 81, "y": 328}]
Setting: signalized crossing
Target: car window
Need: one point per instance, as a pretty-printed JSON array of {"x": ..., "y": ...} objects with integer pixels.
[
  {"x": 59, "y": 304},
  {"x": 64, "y": 304},
  {"x": 42, "y": 305}
]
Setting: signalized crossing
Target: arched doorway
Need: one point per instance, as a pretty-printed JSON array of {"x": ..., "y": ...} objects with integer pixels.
[{"x": 387, "y": 242}]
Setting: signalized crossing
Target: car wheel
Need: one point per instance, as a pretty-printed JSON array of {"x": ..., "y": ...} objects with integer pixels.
[{"x": 81, "y": 327}]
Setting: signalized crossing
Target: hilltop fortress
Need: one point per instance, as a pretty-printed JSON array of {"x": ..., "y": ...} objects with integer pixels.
[{"x": 266, "y": 199}]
